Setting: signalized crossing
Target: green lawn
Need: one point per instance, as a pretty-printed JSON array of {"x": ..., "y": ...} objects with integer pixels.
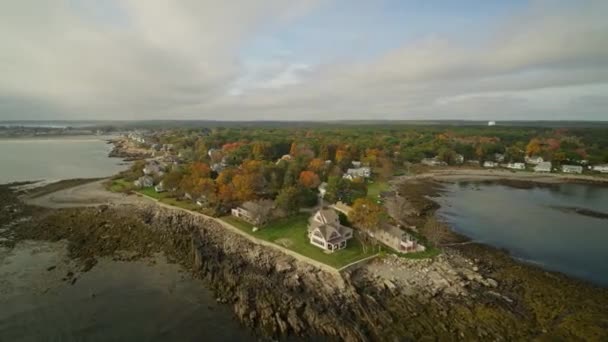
[
  {"x": 120, "y": 185},
  {"x": 375, "y": 188},
  {"x": 291, "y": 233}
]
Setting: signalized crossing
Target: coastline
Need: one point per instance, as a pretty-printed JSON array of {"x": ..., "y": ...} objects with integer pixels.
[{"x": 276, "y": 295}]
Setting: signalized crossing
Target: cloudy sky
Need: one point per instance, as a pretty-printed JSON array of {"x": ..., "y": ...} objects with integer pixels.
[{"x": 303, "y": 60}]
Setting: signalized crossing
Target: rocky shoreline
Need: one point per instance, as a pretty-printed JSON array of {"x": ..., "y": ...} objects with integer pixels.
[
  {"x": 125, "y": 150},
  {"x": 467, "y": 293}
]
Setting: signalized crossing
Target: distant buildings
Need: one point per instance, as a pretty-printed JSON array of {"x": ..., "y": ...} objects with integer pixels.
[
  {"x": 360, "y": 172},
  {"x": 572, "y": 169},
  {"x": 491, "y": 123},
  {"x": 516, "y": 166},
  {"x": 144, "y": 182},
  {"x": 433, "y": 162},
  {"x": 326, "y": 232},
  {"x": 490, "y": 164},
  {"x": 543, "y": 167},
  {"x": 535, "y": 160},
  {"x": 603, "y": 168}
]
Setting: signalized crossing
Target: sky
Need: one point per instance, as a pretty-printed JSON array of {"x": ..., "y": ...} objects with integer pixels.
[{"x": 303, "y": 60}]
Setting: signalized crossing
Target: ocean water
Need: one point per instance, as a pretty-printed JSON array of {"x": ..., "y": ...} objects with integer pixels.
[
  {"x": 533, "y": 225},
  {"x": 146, "y": 300},
  {"x": 56, "y": 158}
]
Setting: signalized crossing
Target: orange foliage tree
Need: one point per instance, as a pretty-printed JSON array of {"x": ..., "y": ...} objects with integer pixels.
[{"x": 309, "y": 179}]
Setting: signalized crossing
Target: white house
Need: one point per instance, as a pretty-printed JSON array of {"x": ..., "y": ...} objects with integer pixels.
[
  {"x": 361, "y": 172},
  {"x": 433, "y": 162},
  {"x": 490, "y": 164},
  {"x": 543, "y": 167},
  {"x": 459, "y": 159},
  {"x": 572, "y": 169},
  {"x": 491, "y": 123},
  {"x": 326, "y": 232},
  {"x": 499, "y": 157},
  {"x": 356, "y": 164},
  {"x": 603, "y": 168},
  {"x": 516, "y": 166},
  {"x": 535, "y": 160}
]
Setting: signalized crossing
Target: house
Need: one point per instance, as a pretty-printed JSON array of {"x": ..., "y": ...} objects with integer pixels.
[
  {"x": 489, "y": 163},
  {"x": 491, "y": 123},
  {"x": 160, "y": 187},
  {"x": 535, "y": 160},
  {"x": 603, "y": 168},
  {"x": 473, "y": 162},
  {"x": 154, "y": 168},
  {"x": 326, "y": 232},
  {"x": 256, "y": 213},
  {"x": 459, "y": 159},
  {"x": 543, "y": 167},
  {"x": 144, "y": 182},
  {"x": 572, "y": 169},
  {"x": 322, "y": 189},
  {"x": 516, "y": 166},
  {"x": 356, "y": 164},
  {"x": 499, "y": 157},
  {"x": 218, "y": 167},
  {"x": 397, "y": 239},
  {"x": 361, "y": 172},
  {"x": 433, "y": 162}
]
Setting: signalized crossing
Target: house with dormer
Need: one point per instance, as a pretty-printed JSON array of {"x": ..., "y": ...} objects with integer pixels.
[{"x": 326, "y": 232}]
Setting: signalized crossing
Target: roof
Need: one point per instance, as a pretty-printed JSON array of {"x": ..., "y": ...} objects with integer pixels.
[{"x": 328, "y": 215}]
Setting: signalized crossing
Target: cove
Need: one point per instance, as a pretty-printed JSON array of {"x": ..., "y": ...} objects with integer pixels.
[{"x": 549, "y": 226}]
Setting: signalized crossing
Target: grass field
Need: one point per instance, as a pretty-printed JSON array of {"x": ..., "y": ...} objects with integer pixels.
[
  {"x": 291, "y": 233},
  {"x": 375, "y": 188}
]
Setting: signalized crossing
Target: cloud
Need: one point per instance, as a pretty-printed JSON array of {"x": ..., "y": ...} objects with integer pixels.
[{"x": 134, "y": 59}]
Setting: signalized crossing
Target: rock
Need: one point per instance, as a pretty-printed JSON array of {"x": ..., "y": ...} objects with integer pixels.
[
  {"x": 491, "y": 282},
  {"x": 283, "y": 266},
  {"x": 475, "y": 269}
]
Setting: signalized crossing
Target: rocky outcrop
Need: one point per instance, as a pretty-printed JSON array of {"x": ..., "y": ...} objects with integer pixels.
[
  {"x": 276, "y": 294},
  {"x": 124, "y": 149}
]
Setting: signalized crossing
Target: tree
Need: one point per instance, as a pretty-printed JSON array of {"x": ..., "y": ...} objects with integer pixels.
[
  {"x": 309, "y": 179},
  {"x": 244, "y": 186},
  {"x": 316, "y": 165},
  {"x": 399, "y": 209},
  {"x": 172, "y": 179},
  {"x": 367, "y": 215},
  {"x": 534, "y": 147},
  {"x": 435, "y": 231},
  {"x": 287, "y": 200},
  {"x": 260, "y": 210},
  {"x": 386, "y": 170}
]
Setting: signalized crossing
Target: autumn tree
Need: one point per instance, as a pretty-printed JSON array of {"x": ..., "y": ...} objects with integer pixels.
[
  {"x": 367, "y": 215},
  {"x": 316, "y": 165},
  {"x": 244, "y": 186},
  {"x": 534, "y": 147},
  {"x": 309, "y": 179}
]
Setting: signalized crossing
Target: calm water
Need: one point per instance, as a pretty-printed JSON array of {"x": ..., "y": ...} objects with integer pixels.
[
  {"x": 529, "y": 223},
  {"x": 115, "y": 301},
  {"x": 56, "y": 159}
]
